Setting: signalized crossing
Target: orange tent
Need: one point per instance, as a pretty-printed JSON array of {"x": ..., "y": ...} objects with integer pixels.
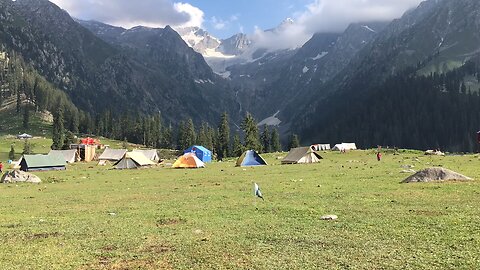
[{"x": 188, "y": 161}]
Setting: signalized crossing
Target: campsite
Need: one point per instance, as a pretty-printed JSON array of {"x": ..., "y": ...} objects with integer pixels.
[{"x": 93, "y": 217}]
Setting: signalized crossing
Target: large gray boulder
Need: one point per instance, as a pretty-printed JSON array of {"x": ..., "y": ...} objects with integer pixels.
[
  {"x": 17, "y": 176},
  {"x": 435, "y": 174}
]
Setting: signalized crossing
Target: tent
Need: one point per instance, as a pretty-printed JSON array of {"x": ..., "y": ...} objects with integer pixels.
[
  {"x": 250, "y": 158},
  {"x": 201, "y": 152},
  {"x": 24, "y": 136},
  {"x": 301, "y": 155},
  {"x": 112, "y": 155},
  {"x": 188, "y": 161},
  {"x": 150, "y": 154},
  {"x": 133, "y": 160},
  {"x": 71, "y": 156},
  {"x": 344, "y": 147},
  {"x": 52, "y": 162},
  {"x": 320, "y": 147}
]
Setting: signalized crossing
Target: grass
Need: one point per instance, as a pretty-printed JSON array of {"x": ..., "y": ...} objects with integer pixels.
[{"x": 89, "y": 217}]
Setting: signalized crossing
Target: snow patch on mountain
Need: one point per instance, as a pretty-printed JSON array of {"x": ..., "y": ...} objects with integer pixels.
[
  {"x": 271, "y": 121},
  {"x": 319, "y": 56},
  {"x": 368, "y": 28}
]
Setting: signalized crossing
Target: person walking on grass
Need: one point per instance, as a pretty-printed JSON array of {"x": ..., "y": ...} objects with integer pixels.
[
  {"x": 379, "y": 156},
  {"x": 1, "y": 167}
]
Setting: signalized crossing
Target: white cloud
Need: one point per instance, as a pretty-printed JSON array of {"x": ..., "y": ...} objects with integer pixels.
[
  {"x": 329, "y": 16},
  {"x": 218, "y": 24},
  {"x": 196, "y": 14},
  {"x": 221, "y": 24},
  {"x": 129, "y": 13}
]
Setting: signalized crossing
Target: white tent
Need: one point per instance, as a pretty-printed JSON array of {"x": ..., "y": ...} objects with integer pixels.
[
  {"x": 149, "y": 153},
  {"x": 24, "y": 136},
  {"x": 320, "y": 147},
  {"x": 344, "y": 147},
  {"x": 111, "y": 155},
  {"x": 71, "y": 156}
]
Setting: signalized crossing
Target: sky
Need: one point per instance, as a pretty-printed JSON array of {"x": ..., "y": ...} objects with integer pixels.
[{"x": 223, "y": 18}]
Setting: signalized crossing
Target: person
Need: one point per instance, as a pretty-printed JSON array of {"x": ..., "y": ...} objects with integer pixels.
[
  {"x": 379, "y": 156},
  {"x": 1, "y": 167}
]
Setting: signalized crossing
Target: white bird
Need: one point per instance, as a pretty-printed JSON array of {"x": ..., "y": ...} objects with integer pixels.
[{"x": 257, "y": 191}]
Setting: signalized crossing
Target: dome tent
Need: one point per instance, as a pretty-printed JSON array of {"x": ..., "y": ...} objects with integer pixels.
[{"x": 250, "y": 158}]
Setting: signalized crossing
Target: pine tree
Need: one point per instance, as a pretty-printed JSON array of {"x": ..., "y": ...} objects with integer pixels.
[
  {"x": 275, "y": 141},
  {"x": 125, "y": 143},
  {"x": 203, "y": 135},
  {"x": 26, "y": 117},
  {"x": 186, "y": 134},
  {"x": 27, "y": 149},
  {"x": 11, "y": 154},
  {"x": 167, "y": 138},
  {"x": 19, "y": 102},
  {"x": 237, "y": 147},
  {"x": 294, "y": 141},
  {"x": 265, "y": 138},
  {"x": 223, "y": 142},
  {"x": 69, "y": 139},
  {"x": 249, "y": 126},
  {"x": 58, "y": 129}
]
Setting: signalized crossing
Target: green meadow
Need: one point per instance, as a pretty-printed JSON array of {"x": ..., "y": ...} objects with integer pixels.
[{"x": 91, "y": 217}]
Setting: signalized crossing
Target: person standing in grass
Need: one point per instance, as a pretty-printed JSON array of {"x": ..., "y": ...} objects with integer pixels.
[
  {"x": 1, "y": 167},
  {"x": 379, "y": 156}
]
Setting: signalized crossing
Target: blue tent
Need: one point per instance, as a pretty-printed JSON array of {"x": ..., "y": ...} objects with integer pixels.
[
  {"x": 250, "y": 158},
  {"x": 201, "y": 152}
]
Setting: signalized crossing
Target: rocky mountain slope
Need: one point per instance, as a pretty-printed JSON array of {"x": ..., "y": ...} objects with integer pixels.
[
  {"x": 438, "y": 36},
  {"x": 144, "y": 70}
]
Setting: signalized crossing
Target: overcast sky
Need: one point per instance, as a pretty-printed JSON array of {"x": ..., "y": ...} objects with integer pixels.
[{"x": 224, "y": 18}]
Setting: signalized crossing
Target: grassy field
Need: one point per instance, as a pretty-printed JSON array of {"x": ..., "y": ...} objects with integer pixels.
[{"x": 89, "y": 217}]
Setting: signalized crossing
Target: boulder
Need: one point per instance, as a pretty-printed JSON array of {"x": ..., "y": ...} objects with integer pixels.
[
  {"x": 329, "y": 217},
  {"x": 435, "y": 174},
  {"x": 17, "y": 176}
]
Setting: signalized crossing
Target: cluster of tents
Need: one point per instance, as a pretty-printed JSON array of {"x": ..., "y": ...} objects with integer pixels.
[{"x": 194, "y": 157}]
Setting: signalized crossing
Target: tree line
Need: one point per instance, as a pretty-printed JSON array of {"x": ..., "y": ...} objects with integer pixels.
[{"x": 438, "y": 110}]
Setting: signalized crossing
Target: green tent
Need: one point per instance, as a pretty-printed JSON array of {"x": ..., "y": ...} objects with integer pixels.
[{"x": 51, "y": 162}]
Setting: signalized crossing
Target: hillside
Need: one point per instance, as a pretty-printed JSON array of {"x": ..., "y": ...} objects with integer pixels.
[
  {"x": 404, "y": 51},
  {"x": 98, "y": 75}
]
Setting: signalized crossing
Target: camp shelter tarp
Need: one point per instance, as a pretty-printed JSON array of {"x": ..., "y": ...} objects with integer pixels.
[
  {"x": 201, "y": 152},
  {"x": 71, "y": 156},
  {"x": 111, "y": 155},
  {"x": 188, "y": 161},
  {"x": 149, "y": 153},
  {"x": 250, "y": 158},
  {"x": 320, "y": 147},
  {"x": 30, "y": 163},
  {"x": 344, "y": 147},
  {"x": 24, "y": 136},
  {"x": 133, "y": 160},
  {"x": 301, "y": 155}
]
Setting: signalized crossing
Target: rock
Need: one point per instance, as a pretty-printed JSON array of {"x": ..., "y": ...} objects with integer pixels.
[
  {"x": 435, "y": 174},
  {"x": 329, "y": 217},
  {"x": 408, "y": 171},
  {"x": 17, "y": 176}
]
